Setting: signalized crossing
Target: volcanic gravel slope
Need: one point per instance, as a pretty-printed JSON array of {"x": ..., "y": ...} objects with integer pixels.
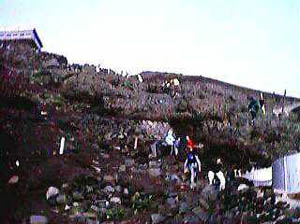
[{"x": 100, "y": 176}]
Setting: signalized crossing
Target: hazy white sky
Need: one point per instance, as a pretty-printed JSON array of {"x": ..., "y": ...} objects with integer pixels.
[{"x": 250, "y": 43}]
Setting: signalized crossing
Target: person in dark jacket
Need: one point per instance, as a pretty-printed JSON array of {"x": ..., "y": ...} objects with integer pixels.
[
  {"x": 183, "y": 144},
  {"x": 253, "y": 108},
  {"x": 216, "y": 176}
]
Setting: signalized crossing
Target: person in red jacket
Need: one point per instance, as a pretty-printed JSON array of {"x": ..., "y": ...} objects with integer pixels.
[{"x": 190, "y": 143}]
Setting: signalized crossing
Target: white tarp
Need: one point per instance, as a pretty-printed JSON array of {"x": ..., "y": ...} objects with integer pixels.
[
  {"x": 260, "y": 177},
  {"x": 286, "y": 174}
]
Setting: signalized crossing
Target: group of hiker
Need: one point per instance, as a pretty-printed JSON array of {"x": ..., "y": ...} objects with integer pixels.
[
  {"x": 180, "y": 146},
  {"x": 184, "y": 145},
  {"x": 171, "y": 87}
]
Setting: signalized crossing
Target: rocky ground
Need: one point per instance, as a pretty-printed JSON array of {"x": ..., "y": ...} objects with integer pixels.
[{"x": 101, "y": 178}]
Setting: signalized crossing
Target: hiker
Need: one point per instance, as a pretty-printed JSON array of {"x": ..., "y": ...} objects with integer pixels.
[
  {"x": 170, "y": 139},
  {"x": 193, "y": 166},
  {"x": 230, "y": 176},
  {"x": 175, "y": 87},
  {"x": 182, "y": 144},
  {"x": 216, "y": 176},
  {"x": 175, "y": 82},
  {"x": 262, "y": 104},
  {"x": 175, "y": 147},
  {"x": 140, "y": 78},
  {"x": 165, "y": 87},
  {"x": 253, "y": 108}
]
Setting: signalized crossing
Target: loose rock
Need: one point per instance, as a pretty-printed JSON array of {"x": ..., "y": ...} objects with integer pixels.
[
  {"x": 116, "y": 200},
  {"x": 38, "y": 219},
  {"x": 129, "y": 162},
  {"x": 157, "y": 218},
  {"x": 109, "y": 189},
  {"x": 155, "y": 172},
  {"x": 13, "y": 180}
]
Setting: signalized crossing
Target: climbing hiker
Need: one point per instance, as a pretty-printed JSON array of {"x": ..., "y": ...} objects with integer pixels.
[
  {"x": 262, "y": 104},
  {"x": 253, "y": 108},
  {"x": 216, "y": 176},
  {"x": 170, "y": 139},
  {"x": 174, "y": 87},
  {"x": 166, "y": 87},
  {"x": 182, "y": 144},
  {"x": 175, "y": 147},
  {"x": 193, "y": 166}
]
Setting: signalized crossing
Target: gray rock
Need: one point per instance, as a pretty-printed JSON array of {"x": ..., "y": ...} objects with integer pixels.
[
  {"x": 129, "y": 162},
  {"x": 154, "y": 164},
  {"x": 51, "y": 63},
  {"x": 13, "y": 180},
  {"x": 65, "y": 186},
  {"x": 108, "y": 178},
  {"x": 173, "y": 194},
  {"x": 103, "y": 204},
  {"x": 143, "y": 167},
  {"x": 155, "y": 172},
  {"x": 172, "y": 202},
  {"x": 175, "y": 178},
  {"x": 157, "y": 218},
  {"x": 209, "y": 192},
  {"x": 126, "y": 191},
  {"x": 91, "y": 221},
  {"x": 154, "y": 150},
  {"x": 115, "y": 200},
  {"x": 38, "y": 219},
  {"x": 77, "y": 196},
  {"x": 84, "y": 218},
  {"x": 191, "y": 219},
  {"x": 122, "y": 168},
  {"x": 203, "y": 215},
  {"x": 183, "y": 207},
  {"x": 95, "y": 208},
  {"x": 109, "y": 189},
  {"x": 229, "y": 215},
  {"x": 103, "y": 210},
  {"x": 203, "y": 203}
]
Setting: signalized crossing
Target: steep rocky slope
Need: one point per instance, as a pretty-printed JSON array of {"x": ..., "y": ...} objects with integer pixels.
[{"x": 100, "y": 176}]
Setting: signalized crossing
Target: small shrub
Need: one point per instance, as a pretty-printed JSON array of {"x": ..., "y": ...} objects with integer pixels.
[
  {"x": 116, "y": 213},
  {"x": 182, "y": 106}
]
